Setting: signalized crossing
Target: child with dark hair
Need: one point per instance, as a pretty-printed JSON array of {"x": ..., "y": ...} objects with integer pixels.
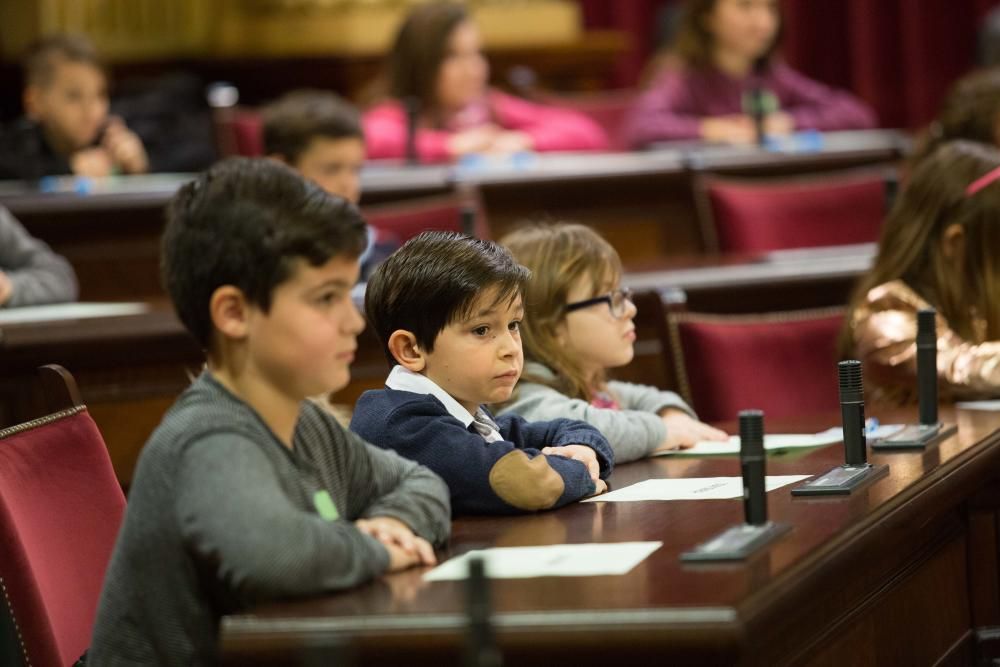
[
  {"x": 722, "y": 70},
  {"x": 436, "y": 65},
  {"x": 448, "y": 309},
  {"x": 938, "y": 249},
  {"x": 319, "y": 135},
  {"x": 66, "y": 128},
  {"x": 970, "y": 112},
  {"x": 246, "y": 492}
]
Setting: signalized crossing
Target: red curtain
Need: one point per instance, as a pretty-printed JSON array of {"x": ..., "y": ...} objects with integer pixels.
[{"x": 899, "y": 55}]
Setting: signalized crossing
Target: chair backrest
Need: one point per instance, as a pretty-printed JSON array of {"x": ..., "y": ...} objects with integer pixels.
[
  {"x": 401, "y": 221},
  {"x": 608, "y": 109},
  {"x": 753, "y": 215},
  {"x": 60, "y": 510},
  {"x": 238, "y": 131},
  {"x": 782, "y": 363}
]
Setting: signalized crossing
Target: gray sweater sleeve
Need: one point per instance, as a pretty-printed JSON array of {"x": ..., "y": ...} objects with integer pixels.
[
  {"x": 227, "y": 492},
  {"x": 647, "y": 399},
  {"x": 632, "y": 434},
  {"x": 37, "y": 274},
  {"x": 397, "y": 487}
]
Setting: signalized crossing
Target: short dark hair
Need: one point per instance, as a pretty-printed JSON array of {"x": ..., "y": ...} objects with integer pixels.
[
  {"x": 246, "y": 222},
  {"x": 292, "y": 121},
  {"x": 40, "y": 59},
  {"x": 434, "y": 280}
]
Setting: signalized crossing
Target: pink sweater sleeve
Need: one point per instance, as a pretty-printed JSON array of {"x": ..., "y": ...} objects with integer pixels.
[
  {"x": 385, "y": 136},
  {"x": 816, "y": 106},
  {"x": 550, "y": 128}
]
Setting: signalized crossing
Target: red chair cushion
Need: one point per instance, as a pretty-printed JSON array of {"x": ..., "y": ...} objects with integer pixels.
[
  {"x": 785, "y": 368},
  {"x": 60, "y": 510},
  {"x": 405, "y": 220},
  {"x": 756, "y": 217}
]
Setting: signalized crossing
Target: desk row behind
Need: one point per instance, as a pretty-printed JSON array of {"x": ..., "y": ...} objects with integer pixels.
[
  {"x": 132, "y": 361},
  {"x": 645, "y": 204}
]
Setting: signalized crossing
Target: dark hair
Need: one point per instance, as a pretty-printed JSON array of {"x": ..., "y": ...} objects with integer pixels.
[
  {"x": 292, "y": 121},
  {"x": 434, "y": 280},
  {"x": 421, "y": 45},
  {"x": 246, "y": 222},
  {"x": 40, "y": 59},
  {"x": 910, "y": 248},
  {"x": 693, "y": 43},
  {"x": 971, "y": 111}
]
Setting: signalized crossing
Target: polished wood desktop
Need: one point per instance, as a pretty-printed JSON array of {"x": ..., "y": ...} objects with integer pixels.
[
  {"x": 643, "y": 203},
  {"x": 902, "y": 572}
]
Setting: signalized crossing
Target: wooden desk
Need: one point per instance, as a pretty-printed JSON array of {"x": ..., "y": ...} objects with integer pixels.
[
  {"x": 643, "y": 203},
  {"x": 129, "y": 367},
  {"x": 900, "y": 573}
]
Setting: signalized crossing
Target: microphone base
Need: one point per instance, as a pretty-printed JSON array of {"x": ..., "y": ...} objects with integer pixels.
[
  {"x": 915, "y": 436},
  {"x": 842, "y": 480},
  {"x": 736, "y": 543}
]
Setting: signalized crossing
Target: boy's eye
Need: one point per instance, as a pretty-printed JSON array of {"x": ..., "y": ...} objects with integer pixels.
[
  {"x": 481, "y": 331},
  {"x": 327, "y": 298},
  {"x": 515, "y": 325}
]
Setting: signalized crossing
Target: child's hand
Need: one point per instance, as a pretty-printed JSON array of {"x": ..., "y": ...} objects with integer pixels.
[
  {"x": 600, "y": 486},
  {"x": 91, "y": 162},
  {"x": 779, "y": 123},
  {"x": 474, "y": 140},
  {"x": 509, "y": 141},
  {"x": 6, "y": 288},
  {"x": 581, "y": 453},
  {"x": 405, "y": 548},
  {"x": 733, "y": 129},
  {"x": 683, "y": 431},
  {"x": 125, "y": 147}
]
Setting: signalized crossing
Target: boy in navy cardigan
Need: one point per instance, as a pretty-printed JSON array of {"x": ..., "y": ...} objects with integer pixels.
[{"x": 447, "y": 309}]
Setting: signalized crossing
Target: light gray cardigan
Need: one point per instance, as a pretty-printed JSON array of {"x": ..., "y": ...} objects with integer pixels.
[
  {"x": 634, "y": 431},
  {"x": 37, "y": 274}
]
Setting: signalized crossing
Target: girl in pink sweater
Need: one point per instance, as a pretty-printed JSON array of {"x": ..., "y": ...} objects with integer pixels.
[{"x": 437, "y": 65}]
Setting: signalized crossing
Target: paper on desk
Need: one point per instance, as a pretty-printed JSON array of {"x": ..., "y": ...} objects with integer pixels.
[
  {"x": 69, "y": 311},
  {"x": 691, "y": 488},
  {"x": 772, "y": 441},
  {"x": 559, "y": 560},
  {"x": 978, "y": 405}
]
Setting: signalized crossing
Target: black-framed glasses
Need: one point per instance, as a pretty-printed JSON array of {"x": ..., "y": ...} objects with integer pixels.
[{"x": 617, "y": 302}]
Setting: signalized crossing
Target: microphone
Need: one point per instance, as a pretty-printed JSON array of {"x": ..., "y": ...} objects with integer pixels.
[
  {"x": 927, "y": 378},
  {"x": 480, "y": 647},
  {"x": 467, "y": 220},
  {"x": 412, "y": 106},
  {"x": 752, "y": 464},
  {"x": 852, "y": 411},
  {"x": 757, "y": 110}
]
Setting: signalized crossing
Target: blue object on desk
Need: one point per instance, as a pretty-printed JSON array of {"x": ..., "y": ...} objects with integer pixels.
[{"x": 806, "y": 141}]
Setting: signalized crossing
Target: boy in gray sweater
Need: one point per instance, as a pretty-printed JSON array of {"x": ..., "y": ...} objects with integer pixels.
[
  {"x": 246, "y": 492},
  {"x": 30, "y": 273}
]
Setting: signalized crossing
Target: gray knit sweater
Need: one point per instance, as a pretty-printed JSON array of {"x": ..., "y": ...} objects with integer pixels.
[
  {"x": 634, "y": 431},
  {"x": 222, "y": 515},
  {"x": 37, "y": 274}
]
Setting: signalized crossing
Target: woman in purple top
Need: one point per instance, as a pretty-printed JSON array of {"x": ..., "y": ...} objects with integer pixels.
[{"x": 722, "y": 69}]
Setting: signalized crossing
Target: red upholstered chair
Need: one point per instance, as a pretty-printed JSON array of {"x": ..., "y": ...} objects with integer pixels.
[
  {"x": 782, "y": 363},
  {"x": 403, "y": 220},
  {"x": 753, "y": 215},
  {"x": 238, "y": 131},
  {"x": 60, "y": 510},
  {"x": 608, "y": 109}
]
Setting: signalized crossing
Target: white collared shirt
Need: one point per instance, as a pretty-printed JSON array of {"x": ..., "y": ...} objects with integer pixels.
[{"x": 402, "y": 379}]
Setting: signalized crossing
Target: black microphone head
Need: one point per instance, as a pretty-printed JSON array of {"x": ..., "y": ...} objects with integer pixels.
[
  {"x": 467, "y": 220},
  {"x": 851, "y": 386},
  {"x": 751, "y": 432},
  {"x": 926, "y": 326}
]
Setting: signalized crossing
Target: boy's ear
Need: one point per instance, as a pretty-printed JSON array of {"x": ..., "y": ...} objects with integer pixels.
[
  {"x": 230, "y": 312},
  {"x": 403, "y": 346}
]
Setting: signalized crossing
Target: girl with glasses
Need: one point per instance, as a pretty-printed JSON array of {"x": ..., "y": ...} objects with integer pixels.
[{"x": 578, "y": 325}]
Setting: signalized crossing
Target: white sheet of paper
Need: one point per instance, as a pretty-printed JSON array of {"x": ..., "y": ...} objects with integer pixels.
[
  {"x": 771, "y": 441},
  {"x": 690, "y": 488},
  {"x": 69, "y": 311},
  {"x": 978, "y": 405},
  {"x": 558, "y": 560}
]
